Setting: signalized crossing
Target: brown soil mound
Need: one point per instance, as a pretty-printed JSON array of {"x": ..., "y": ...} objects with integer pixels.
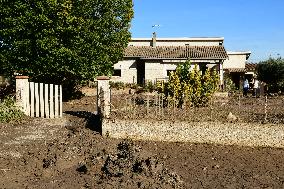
[{"x": 83, "y": 159}]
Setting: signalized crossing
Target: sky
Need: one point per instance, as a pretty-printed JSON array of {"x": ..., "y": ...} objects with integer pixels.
[{"x": 246, "y": 25}]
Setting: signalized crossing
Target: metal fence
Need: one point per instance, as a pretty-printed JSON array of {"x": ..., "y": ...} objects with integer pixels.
[{"x": 157, "y": 106}]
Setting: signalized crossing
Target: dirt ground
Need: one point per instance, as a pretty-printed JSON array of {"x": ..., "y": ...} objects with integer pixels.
[{"x": 71, "y": 153}]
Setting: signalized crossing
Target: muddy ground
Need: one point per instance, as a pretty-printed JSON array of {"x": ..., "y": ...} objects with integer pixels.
[{"x": 71, "y": 153}]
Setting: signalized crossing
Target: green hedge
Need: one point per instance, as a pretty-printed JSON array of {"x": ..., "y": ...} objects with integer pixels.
[{"x": 9, "y": 111}]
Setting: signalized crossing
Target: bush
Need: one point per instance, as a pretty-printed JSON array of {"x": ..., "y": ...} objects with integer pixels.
[
  {"x": 185, "y": 86},
  {"x": 9, "y": 111},
  {"x": 229, "y": 84},
  {"x": 271, "y": 72},
  {"x": 132, "y": 85},
  {"x": 6, "y": 90},
  {"x": 117, "y": 85},
  {"x": 149, "y": 87}
]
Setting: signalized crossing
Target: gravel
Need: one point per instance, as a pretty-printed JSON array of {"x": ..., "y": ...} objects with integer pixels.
[{"x": 244, "y": 134}]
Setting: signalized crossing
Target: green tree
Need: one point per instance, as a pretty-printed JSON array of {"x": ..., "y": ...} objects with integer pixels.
[
  {"x": 196, "y": 85},
  {"x": 271, "y": 72},
  {"x": 63, "y": 41}
]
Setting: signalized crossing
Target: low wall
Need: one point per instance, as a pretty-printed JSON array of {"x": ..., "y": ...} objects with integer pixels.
[{"x": 243, "y": 134}]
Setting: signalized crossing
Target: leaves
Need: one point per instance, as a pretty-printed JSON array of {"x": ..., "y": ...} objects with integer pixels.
[
  {"x": 61, "y": 40},
  {"x": 9, "y": 111},
  {"x": 271, "y": 72},
  {"x": 187, "y": 85}
]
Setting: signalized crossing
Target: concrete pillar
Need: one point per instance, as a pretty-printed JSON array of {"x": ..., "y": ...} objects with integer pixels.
[
  {"x": 22, "y": 93},
  {"x": 103, "y": 99}
]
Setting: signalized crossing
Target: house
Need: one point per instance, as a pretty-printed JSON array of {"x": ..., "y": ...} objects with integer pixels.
[
  {"x": 235, "y": 66},
  {"x": 250, "y": 70},
  {"x": 152, "y": 59}
]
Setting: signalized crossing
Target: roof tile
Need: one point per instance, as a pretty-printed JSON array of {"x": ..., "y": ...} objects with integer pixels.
[
  {"x": 176, "y": 52},
  {"x": 251, "y": 66}
]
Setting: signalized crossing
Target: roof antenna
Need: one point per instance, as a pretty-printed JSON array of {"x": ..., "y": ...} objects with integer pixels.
[{"x": 156, "y": 25}]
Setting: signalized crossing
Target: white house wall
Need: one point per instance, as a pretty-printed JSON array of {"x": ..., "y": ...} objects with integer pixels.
[
  {"x": 158, "y": 70},
  {"x": 140, "y": 43},
  {"x": 175, "y": 43},
  {"x": 154, "y": 70},
  {"x": 235, "y": 61},
  {"x": 128, "y": 71}
]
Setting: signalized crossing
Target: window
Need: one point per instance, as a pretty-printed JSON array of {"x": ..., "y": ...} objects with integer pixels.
[{"x": 117, "y": 72}]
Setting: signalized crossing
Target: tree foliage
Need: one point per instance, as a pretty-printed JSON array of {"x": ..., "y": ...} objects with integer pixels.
[
  {"x": 271, "y": 72},
  {"x": 60, "y": 41},
  {"x": 189, "y": 86}
]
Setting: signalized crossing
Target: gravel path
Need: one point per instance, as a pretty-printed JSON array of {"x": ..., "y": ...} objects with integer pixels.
[{"x": 211, "y": 132}]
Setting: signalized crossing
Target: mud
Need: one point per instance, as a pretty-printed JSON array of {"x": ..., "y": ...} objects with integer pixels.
[{"x": 71, "y": 153}]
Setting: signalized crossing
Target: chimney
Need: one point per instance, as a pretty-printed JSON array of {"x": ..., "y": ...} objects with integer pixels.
[{"x": 154, "y": 39}]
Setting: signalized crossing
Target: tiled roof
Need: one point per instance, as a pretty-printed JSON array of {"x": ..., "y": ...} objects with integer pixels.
[
  {"x": 251, "y": 66},
  {"x": 176, "y": 52}
]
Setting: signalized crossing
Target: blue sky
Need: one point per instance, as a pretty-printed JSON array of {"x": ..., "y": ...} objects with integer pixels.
[{"x": 246, "y": 25}]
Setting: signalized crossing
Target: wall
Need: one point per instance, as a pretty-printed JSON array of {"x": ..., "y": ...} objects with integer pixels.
[
  {"x": 154, "y": 70},
  {"x": 128, "y": 71},
  {"x": 235, "y": 61},
  {"x": 256, "y": 134},
  {"x": 178, "y": 42}
]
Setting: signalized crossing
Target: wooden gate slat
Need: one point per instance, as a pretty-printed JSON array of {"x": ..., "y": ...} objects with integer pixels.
[
  {"x": 41, "y": 100},
  {"x": 36, "y": 100},
  {"x": 46, "y": 103},
  {"x": 51, "y": 98},
  {"x": 56, "y": 112},
  {"x": 60, "y": 102},
  {"x": 32, "y": 94}
]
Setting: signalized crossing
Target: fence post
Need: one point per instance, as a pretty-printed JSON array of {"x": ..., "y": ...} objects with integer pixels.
[
  {"x": 265, "y": 109},
  {"x": 103, "y": 102},
  {"x": 22, "y": 93}
]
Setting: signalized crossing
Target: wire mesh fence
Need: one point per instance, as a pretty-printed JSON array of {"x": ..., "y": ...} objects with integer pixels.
[{"x": 158, "y": 106}]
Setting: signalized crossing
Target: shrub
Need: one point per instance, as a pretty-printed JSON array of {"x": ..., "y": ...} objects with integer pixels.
[
  {"x": 132, "y": 85},
  {"x": 229, "y": 84},
  {"x": 9, "y": 111},
  {"x": 189, "y": 86},
  {"x": 271, "y": 72},
  {"x": 117, "y": 85},
  {"x": 149, "y": 87}
]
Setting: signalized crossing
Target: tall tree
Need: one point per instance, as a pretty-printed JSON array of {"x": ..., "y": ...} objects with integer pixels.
[
  {"x": 63, "y": 40},
  {"x": 271, "y": 72}
]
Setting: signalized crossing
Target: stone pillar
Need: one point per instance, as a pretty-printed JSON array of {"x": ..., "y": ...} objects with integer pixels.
[
  {"x": 22, "y": 93},
  {"x": 103, "y": 98}
]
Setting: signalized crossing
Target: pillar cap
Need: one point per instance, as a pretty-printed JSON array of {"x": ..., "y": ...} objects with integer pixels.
[
  {"x": 103, "y": 78},
  {"x": 22, "y": 77}
]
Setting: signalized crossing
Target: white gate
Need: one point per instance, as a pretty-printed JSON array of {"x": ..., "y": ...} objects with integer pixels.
[
  {"x": 39, "y": 99},
  {"x": 45, "y": 100}
]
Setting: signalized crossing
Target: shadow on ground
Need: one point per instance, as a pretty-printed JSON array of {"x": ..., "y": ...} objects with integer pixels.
[{"x": 93, "y": 121}]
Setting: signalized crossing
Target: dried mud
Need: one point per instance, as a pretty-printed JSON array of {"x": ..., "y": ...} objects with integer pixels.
[{"x": 71, "y": 153}]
